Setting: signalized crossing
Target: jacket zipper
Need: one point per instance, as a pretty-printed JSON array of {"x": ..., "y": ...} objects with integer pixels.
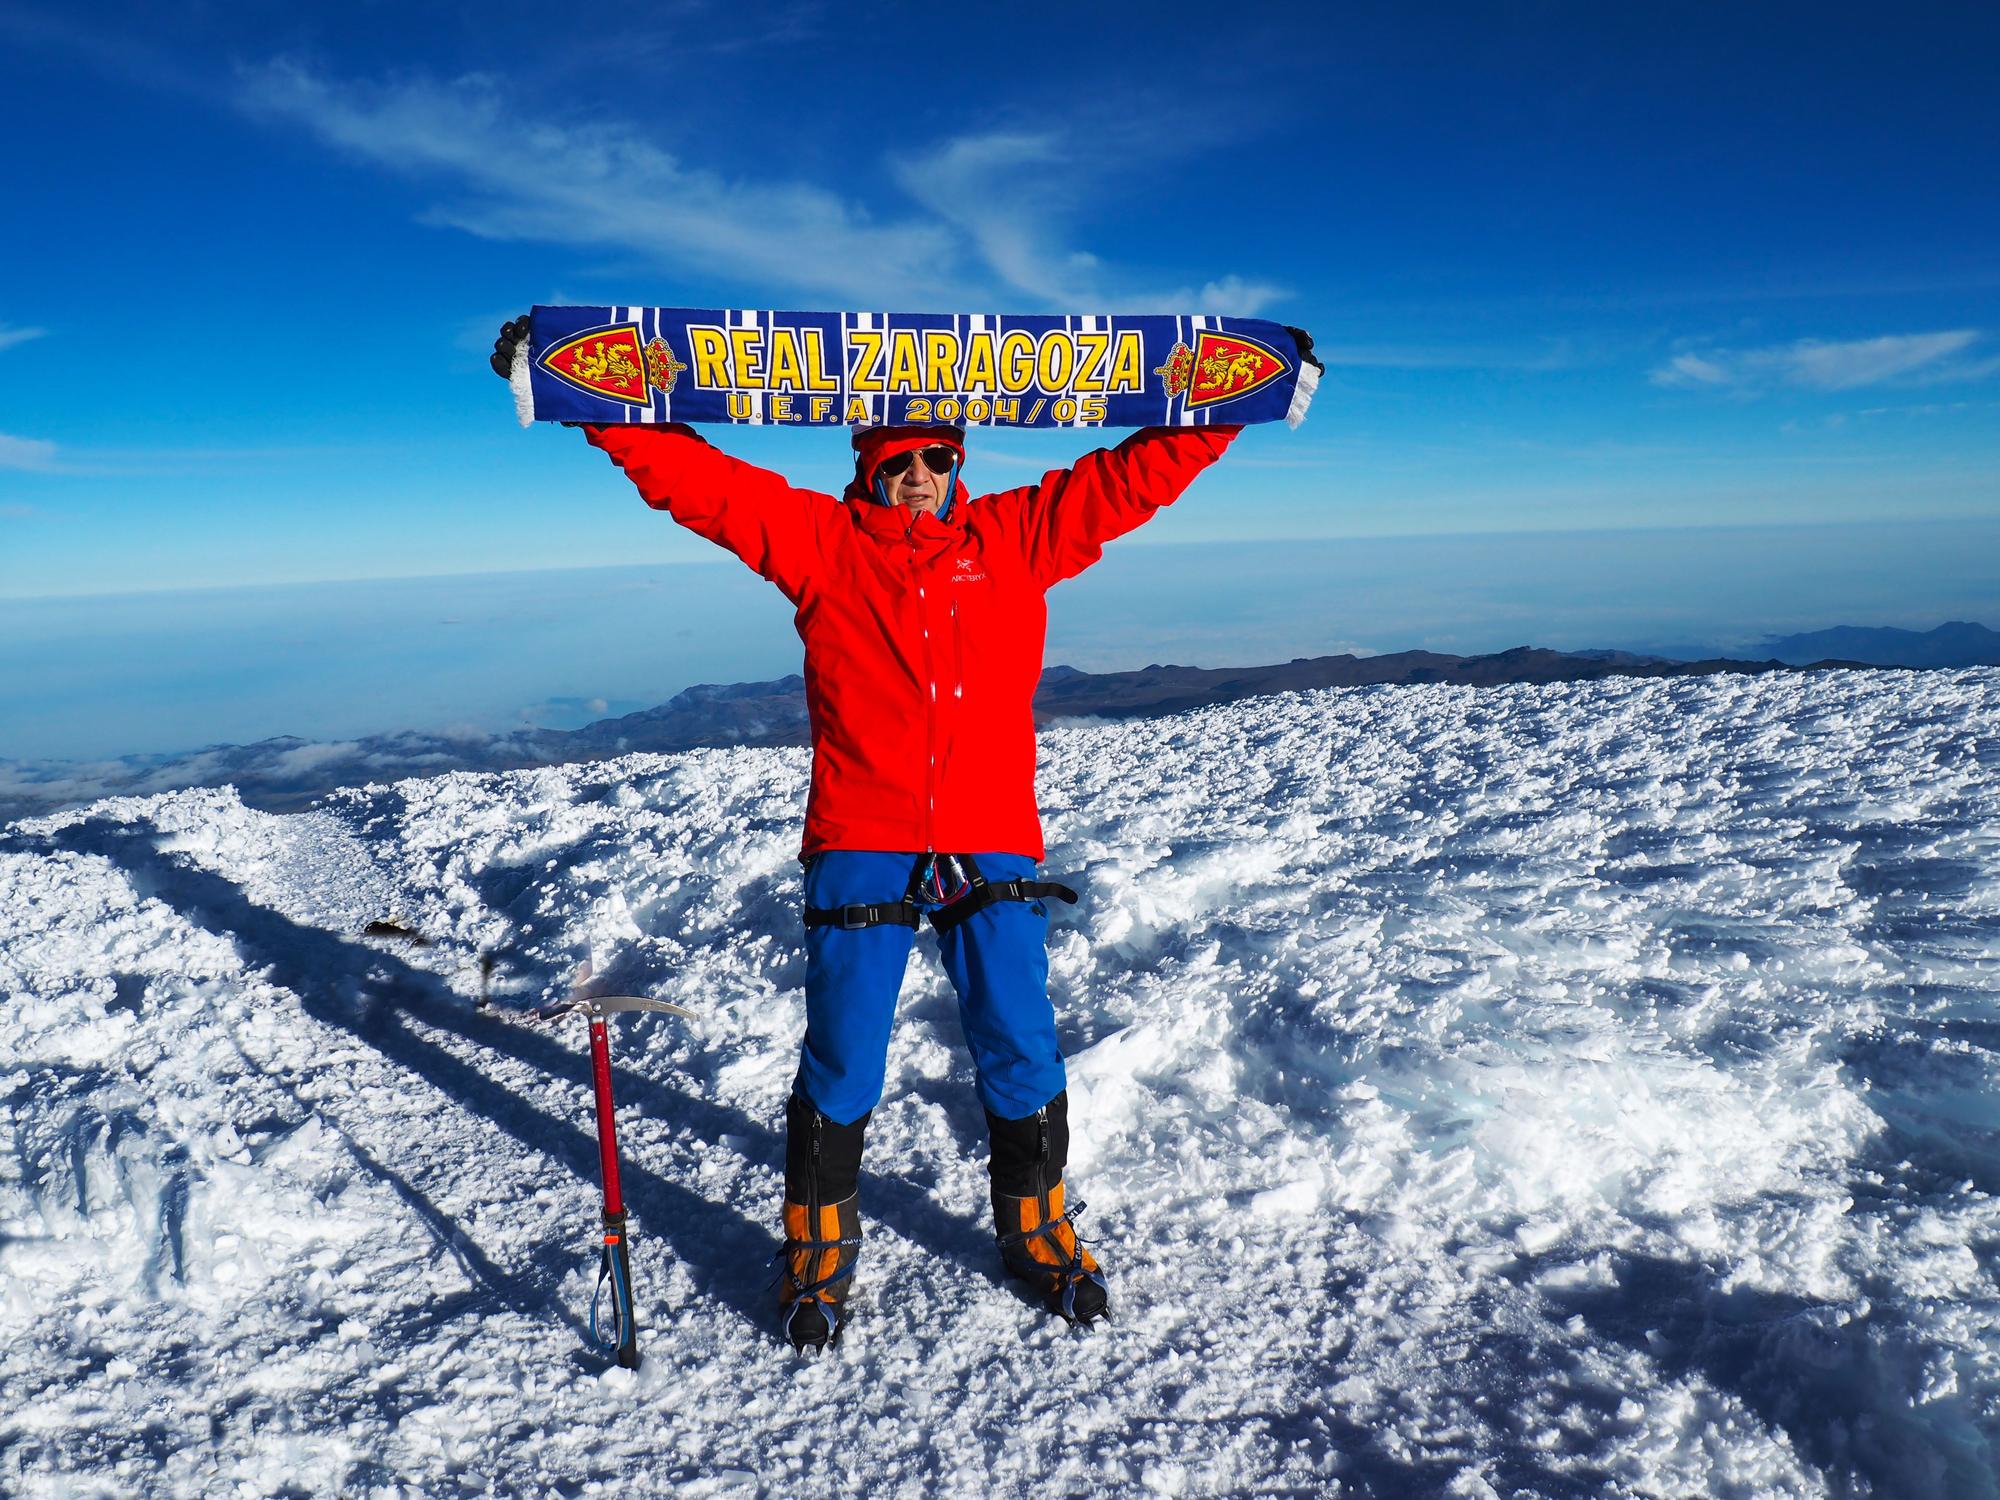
[{"x": 930, "y": 702}]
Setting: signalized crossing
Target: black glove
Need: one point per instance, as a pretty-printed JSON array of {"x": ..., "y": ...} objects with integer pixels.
[
  {"x": 513, "y": 334},
  {"x": 1305, "y": 343}
]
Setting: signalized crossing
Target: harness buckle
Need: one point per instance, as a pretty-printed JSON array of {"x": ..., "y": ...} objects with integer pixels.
[{"x": 850, "y": 922}]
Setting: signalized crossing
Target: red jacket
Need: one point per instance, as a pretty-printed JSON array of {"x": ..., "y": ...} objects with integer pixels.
[{"x": 923, "y": 637}]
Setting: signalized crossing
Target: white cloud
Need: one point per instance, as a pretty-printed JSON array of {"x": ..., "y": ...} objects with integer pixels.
[
  {"x": 1012, "y": 193},
  {"x": 40, "y": 456},
  {"x": 1840, "y": 367},
  {"x": 35, "y": 455},
  {"x": 1819, "y": 364},
  {"x": 1928, "y": 409},
  {"x": 602, "y": 186},
  {"x": 1555, "y": 354},
  {"x": 1692, "y": 369},
  {"x": 10, "y": 336},
  {"x": 987, "y": 216}
]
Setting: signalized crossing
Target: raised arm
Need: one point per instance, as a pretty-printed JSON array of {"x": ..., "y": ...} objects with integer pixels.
[
  {"x": 1065, "y": 520},
  {"x": 754, "y": 513}
]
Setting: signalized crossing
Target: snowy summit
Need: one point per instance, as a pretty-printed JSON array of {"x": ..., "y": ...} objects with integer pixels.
[{"x": 1580, "y": 1089}]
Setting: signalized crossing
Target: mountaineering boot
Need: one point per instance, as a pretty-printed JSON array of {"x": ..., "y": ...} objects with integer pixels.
[
  {"x": 1038, "y": 1243},
  {"x": 822, "y": 1223},
  {"x": 820, "y": 1249},
  {"x": 1034, "y": 1226}
]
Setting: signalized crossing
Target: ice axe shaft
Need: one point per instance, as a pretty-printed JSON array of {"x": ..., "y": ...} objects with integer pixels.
[
  {"x": 617, "y": 1262},
  {"x": 607, "y": 1121}
]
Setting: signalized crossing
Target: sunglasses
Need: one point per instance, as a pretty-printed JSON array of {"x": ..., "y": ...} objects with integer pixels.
[{"x": 938, "y": 458}]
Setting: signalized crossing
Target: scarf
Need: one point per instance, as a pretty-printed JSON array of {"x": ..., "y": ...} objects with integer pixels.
[{"x": 805, "y": 369}]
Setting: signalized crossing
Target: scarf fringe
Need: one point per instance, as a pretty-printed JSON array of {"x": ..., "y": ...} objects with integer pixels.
[
  {"x": 524, "y": 394},
  {"x": 1302, "y": 395}
]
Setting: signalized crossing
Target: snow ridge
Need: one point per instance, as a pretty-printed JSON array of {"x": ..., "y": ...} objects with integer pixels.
[{"x": 1581, "y": 1089}]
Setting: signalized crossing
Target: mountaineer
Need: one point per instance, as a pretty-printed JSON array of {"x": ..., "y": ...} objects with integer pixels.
[{"x": 923, "y": 615}]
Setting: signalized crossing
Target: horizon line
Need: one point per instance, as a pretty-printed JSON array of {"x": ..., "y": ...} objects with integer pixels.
[{"x": 1134, "y": 545}]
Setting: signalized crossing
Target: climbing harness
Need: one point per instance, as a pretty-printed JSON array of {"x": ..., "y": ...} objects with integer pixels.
[{"x": 926, "y": 895}]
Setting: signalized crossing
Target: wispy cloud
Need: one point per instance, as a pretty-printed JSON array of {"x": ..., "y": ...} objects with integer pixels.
[
  {"x": 13, "y": 512},
  {"x": 10, "y": 336},
  {"x": 1928, "y": 409},
  {"x": 1834, "y": 421},
  {"x": 1552, "y": 355},
  {"x": 132, "y": 459},
  {"x": 989, "y": 213},
  {"x": 1818, "y": 364},
  {"x": 33, "y": 455},
  {"x": 41, "y": 456},
  {"x": 601, "y": 186},
  {"x": 1014, "y": 193}
]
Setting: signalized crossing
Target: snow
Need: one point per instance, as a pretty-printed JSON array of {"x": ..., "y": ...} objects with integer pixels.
[{"x": 1574, "y": 1090}]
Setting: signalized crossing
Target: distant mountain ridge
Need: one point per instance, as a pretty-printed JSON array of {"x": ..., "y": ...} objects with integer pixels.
[
  {"x": 1066, "y": 693},
  {"x": 1956, "y": 643},
  {"x": 287, "y": 772}
]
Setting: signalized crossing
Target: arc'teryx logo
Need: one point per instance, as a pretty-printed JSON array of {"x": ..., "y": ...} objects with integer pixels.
[{"x": 965, "y": 570}]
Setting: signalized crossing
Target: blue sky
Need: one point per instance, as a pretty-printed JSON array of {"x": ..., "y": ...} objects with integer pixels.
[{"x": 1572, "y": 266}]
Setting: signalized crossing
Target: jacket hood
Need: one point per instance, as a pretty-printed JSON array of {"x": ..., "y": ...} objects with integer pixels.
[{"x": 874, "y": 444}]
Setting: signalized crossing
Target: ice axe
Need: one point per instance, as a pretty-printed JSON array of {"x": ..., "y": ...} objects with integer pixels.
[{"x": 616, "y": 1265}]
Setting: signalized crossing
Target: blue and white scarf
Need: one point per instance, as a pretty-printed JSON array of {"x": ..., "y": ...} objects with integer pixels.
[{"x": 808, "y": 369}]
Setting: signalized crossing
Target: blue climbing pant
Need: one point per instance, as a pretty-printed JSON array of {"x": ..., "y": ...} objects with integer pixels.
[{"x": 997, "y": 960}]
